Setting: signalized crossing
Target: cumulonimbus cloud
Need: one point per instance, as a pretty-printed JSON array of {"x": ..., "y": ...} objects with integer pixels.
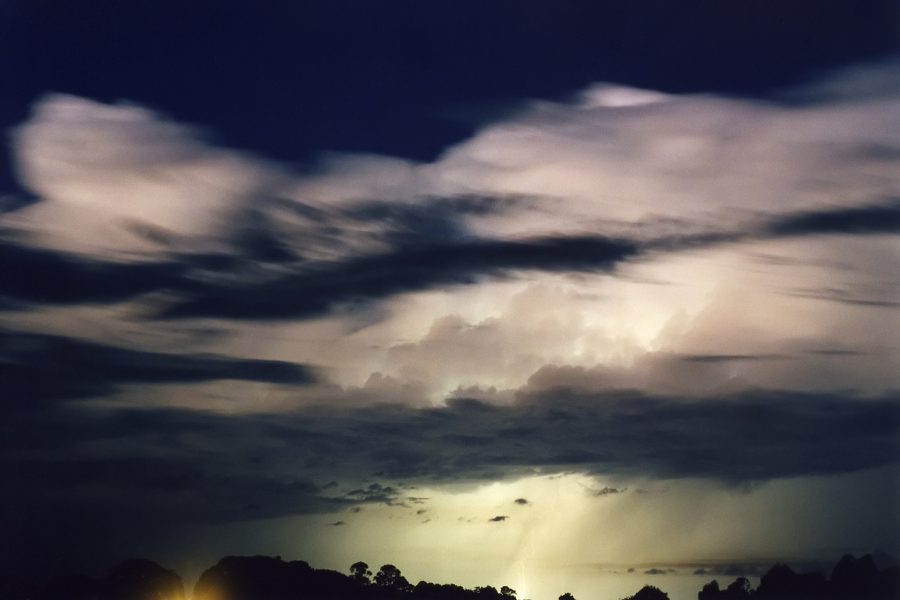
[{"x": 571, "y": 188}]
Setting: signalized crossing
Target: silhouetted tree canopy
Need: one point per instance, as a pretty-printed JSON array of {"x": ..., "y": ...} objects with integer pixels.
[
  {"x": 267, "y": 578},
  {"x": 739, "y": 588},
  {"x": 649, "y": 592},
  {"x": 360, "y": 573},
  {"x": 710, "y": 591},
  {"x": 851, "y": 579},
  {"x": 390, "y": 578}
]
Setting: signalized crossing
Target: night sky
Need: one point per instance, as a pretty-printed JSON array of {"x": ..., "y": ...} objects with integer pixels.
[{"x": 567, "y": 295}]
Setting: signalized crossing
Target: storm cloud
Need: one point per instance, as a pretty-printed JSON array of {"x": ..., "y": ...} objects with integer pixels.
[
  {"x": 629, "y": 286},
  {"x": 738, "y": 439},
  {"x": 36, "y": 368},
  {"x": 39, "y": 276}
]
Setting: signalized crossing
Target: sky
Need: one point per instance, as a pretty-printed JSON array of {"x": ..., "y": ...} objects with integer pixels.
[{"x": 567, "y": 296}]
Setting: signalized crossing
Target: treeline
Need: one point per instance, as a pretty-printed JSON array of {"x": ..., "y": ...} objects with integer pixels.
[
  {"x": 850, "y": 579},
  {"x": 267, "y": 578}
]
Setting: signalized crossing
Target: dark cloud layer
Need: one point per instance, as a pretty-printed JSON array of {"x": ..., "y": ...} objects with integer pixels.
[
  {"x": 41, "y": 276},
  {"x": 420, "y": 266},
  {"x": 417, "y": 259},
  {"x": 872, "y": 219},
  {"x": 405, "y": 269},
  {"x": 845, "y": 295},
  {"x": 435, "y": 219},
  {"x": 727, "y": 358},
  {"x": 742, "y": 438},
  {"x": 35, "y": 368},
  {"x": 86, "y": 471}
]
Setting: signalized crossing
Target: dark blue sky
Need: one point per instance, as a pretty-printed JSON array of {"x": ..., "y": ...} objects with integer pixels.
[{"x": 408, "y": 78}]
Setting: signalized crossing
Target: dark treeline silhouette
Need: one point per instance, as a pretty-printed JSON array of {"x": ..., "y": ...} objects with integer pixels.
[
  {"x": 136, "y": 579},
  {"x": 851, "y": 579},
  {"x": 268, "y": 578}
]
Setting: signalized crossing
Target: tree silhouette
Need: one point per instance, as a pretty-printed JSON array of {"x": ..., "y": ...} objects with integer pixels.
[
  {"x": 710, "y": 591},
  {"x": 268, "y": 578},
  {"x": 488, "y": 592},
  {"x": 739, "y": 588},
  {"x": 390, "y": 578},
  {"x": 360, "y": 573},
  {"x": 649, "y": 592}
]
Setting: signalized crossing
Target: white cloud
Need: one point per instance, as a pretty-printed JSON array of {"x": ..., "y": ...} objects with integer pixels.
[
  {"x": 120, "y": 179},
  {"x": 625, "y": 154},
  {"x": 114, "y": 179}
]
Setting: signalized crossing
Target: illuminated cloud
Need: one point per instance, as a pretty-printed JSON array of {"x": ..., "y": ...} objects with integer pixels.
[
  {"x": 124, "y": 181},
  {"x": 629, "y": 286},
  {"x": 660, "y": 239}
]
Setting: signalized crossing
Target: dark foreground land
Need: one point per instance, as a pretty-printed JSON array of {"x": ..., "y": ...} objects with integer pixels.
[{"x": 267, "y": 578}]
